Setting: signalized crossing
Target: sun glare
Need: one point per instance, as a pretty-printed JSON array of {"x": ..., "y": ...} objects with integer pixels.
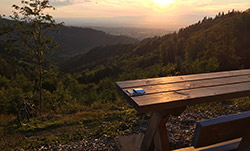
[{"x": 163, "y": 2}]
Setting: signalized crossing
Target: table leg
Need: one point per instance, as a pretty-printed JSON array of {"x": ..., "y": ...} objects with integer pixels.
[
  {"x": 156, "y": 134},
  {"x": 164, "y": 134},
  {"x": 161, "y": 140}
]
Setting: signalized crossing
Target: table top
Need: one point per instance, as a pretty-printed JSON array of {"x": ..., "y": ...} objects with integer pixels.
[{"x": 179, "y": 91}]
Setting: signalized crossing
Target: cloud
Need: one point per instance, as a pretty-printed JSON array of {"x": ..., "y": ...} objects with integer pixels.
[{"x": 59, "y": 3}]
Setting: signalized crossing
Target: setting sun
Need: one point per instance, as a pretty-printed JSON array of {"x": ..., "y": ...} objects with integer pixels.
[{"x": 163, "y": 2}]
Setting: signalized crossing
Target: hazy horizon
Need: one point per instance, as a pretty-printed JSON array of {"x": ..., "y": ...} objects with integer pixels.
[
  {"x": 125, "y": 22},
  {"x": 135, "y": 13}
]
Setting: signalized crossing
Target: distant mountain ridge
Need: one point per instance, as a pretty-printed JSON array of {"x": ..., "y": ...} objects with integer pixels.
[
  {"x": 96, "y": 56},
  {"x": 77, "y": 40}
]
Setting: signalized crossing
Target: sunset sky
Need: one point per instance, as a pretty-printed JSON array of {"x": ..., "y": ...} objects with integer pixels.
[{"x": 144, "y": 13}]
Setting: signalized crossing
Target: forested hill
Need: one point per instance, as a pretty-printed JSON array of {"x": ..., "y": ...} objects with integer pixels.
[
  {"x": 77, "y": 40},
  {"x": 213, "y": 44},
  {"x": 96, "y": 57}
]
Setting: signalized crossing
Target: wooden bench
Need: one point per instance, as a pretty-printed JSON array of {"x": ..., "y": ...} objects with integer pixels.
[
  {"x": 170, "y": 95},
  {"x": 223, "y": 129},
  {"x": 220, "y": 134}
]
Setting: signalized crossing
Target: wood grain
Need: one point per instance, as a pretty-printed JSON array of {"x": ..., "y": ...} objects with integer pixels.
[
  {"x": 193, "y": 85},
  {"x": 180, "y": 91},
  {"x": 177, "y": 99},
  {"x": 175, "y": 79}
]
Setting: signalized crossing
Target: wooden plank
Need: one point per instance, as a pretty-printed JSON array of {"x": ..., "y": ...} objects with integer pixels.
[
  {"x": 175, "y": 79},
  {"x": 177, "y": 99},
  {"x": 193, "y": 85},
  {"x": 221, "y": 129},
  {"x": 231, "y": 145},
  {"x": 131, "y": 142}
]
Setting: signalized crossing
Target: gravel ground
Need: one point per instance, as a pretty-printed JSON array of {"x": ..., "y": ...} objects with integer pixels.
[
  {"x": 103, "y": 143},
  {"x": 181, "y": 129}
]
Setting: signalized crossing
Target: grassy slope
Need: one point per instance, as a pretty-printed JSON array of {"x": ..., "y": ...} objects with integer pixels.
[{"x": 95, "y": 121}]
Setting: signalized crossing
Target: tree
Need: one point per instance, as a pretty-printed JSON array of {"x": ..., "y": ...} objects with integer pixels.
[{"x": 30, "y": 30}]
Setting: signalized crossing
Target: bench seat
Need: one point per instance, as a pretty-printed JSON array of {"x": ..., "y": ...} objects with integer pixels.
[
  {"x": 231, "y": 145},
  {"x": 133, "y": 143}
]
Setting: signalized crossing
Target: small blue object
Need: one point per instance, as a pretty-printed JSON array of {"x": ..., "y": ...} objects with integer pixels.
[
  {"x": 136, "y": 92},
  {"x": 139, "y": 91}
]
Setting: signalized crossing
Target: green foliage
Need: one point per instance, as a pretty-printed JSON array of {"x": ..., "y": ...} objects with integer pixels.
[
  {"x": 29, "y": 34},
  {"x": 12, "y": 91},
  {"x": 201, "y": 66}
]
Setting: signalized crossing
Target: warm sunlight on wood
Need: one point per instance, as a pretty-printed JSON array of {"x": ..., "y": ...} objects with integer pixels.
[{"x": 163, "y": 2}]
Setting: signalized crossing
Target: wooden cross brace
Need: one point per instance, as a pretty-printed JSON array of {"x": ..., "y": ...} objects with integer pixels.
[{"x": 156, "y": 136}]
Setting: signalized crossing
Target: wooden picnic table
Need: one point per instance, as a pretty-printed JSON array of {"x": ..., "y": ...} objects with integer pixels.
[{"x": 171, "y": 95}]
